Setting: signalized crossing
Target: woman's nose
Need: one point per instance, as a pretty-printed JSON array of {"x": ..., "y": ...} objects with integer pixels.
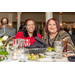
[{"x": 51, "y": 25}]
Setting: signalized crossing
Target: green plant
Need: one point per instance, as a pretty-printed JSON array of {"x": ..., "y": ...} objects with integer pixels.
[{"x": 3, "y": 50}]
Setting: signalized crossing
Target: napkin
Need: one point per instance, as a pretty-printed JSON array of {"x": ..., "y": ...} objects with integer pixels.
[
  {"x": 38, "y": 44},
  {"x": 71, "y": 58}
]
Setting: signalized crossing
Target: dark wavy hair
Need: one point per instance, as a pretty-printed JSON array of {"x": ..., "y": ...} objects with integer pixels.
[
  {"x": 21, "y": 28},
  {"x": 25, "y": 30},
  {"x": 57, "y": 24},
  {"x": 3, "y": 22}
]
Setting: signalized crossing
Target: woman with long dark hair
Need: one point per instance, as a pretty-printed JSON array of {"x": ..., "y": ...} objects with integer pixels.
[{"x": 29, "y": 32}]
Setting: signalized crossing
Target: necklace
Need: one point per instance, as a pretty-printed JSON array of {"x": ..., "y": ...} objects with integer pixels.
[{"x": 52, "y": 39}]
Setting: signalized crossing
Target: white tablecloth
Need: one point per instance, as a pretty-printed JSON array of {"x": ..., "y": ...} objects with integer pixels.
[{"x": 64, "y": 59}]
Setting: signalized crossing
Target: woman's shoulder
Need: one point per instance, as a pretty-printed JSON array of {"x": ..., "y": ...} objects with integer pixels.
[
  {"x": 45, "y": 36},
  {"x": 38, "y": 34},
  {"x": 19, "y": 35},
  {"x": 63, "y": 32},
  {"x": 20, "y": 32}
]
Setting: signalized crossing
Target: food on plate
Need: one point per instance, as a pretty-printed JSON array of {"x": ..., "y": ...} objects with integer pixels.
[
  {"x": 66, "y": 55},
  {"x": 49, "y": 49},
  {"x": 35, "y": 56}
]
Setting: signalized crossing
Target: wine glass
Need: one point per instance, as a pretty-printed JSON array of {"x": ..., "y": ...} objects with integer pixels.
[
  {"x": 15, "y": 43},
  {"x": 27, "y": 42},
  {"x": 21, "y": 43}
]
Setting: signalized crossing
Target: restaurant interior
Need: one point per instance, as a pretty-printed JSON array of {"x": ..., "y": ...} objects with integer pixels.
[
  {"x": 66, "y": 19},
  {"x": 16, "y": 19}
]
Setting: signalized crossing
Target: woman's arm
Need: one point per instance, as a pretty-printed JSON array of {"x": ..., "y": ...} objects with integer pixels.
[{"x": 19, "y": 35}]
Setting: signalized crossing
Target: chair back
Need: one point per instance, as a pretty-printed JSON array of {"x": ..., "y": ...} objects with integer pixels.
[{"x": 73, "y": 38}]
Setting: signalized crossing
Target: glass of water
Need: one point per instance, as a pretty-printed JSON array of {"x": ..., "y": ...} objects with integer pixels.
[
  {"x": 59, "y": 49},
  {"x": 23, "y": 56}
]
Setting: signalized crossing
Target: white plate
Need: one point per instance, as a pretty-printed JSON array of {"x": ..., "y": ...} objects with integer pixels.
[
  {"x": 50, "y": 53},
  {"x": 46, "y": 60}
]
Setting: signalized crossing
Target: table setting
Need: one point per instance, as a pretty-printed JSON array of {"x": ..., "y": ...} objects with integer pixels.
[{"x": 19, "y": 53}]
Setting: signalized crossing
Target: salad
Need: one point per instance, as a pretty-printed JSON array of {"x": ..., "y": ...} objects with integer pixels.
[
  {"x": 49, "y": 49},
  {"x": 35, "y": 56}
]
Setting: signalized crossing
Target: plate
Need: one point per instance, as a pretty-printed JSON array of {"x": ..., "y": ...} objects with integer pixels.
[
  {"x": 46, "y": 60},
  {"x": 35, "y": 56},
  {"x": 50, "y": 53}
]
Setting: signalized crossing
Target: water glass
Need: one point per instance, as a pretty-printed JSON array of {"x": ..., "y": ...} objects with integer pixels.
[
  {"x": 59, "y": 48},
  {"x": 23, "y": 56}
]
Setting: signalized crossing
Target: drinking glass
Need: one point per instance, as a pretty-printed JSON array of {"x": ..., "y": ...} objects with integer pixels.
[
  {"x": 15, "y": 43},
  {"x": 59, "y": 46},
  {"x": 21, "y": 43},
  {"x": 23, "y": 56},
  {"x": 65, "y": 46},
  {"x": 27, "y": 42}
]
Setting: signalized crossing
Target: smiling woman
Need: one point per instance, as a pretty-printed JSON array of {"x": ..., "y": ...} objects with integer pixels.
[
  {"x": 55, "y": 33},
  {"x": 29, "y": 32}
]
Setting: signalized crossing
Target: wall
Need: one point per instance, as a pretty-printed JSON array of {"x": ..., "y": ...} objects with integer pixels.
[
  {"x": 66, "y": 16},
  {"x": 39, "y": 16},
  {"x": 3, "y": 14}
]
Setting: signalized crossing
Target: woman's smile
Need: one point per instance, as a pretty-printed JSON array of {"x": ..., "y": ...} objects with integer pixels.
[{"x": 51, "y": 28}]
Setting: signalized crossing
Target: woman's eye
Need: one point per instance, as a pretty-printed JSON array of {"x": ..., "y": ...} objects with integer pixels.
[
  {"x": 49, "y": 24},
  {"x": 54, "y": 24},
  {"x": 28, "y": 24},
  {"x": 32, "y": 25}
]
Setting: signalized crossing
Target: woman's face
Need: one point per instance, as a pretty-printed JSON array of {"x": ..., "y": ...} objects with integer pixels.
[
  {"x": 52, "y": 28},
  {"x": 30, "y": 26}
]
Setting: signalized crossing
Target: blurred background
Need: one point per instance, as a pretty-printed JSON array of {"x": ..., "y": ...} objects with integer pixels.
[{"x": 16, "y": 19}]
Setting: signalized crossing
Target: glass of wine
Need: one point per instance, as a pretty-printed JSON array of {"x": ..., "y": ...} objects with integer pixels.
[{"x": 27, "y": 42}]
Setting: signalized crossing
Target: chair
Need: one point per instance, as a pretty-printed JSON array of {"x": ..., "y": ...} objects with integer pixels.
[{"x": 73, "y": 38}]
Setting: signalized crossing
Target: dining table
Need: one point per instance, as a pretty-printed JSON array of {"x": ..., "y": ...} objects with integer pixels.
[{"x": 46, "y": 59}]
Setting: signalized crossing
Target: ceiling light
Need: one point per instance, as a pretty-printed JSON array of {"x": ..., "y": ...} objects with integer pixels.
[{"x": 60, "y": 12}]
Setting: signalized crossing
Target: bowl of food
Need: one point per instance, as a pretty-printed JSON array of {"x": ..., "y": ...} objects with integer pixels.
[{"x": 50, "y": 51}]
